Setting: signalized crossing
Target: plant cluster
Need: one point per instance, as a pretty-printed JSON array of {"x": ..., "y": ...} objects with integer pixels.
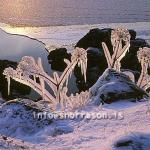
[
  {"x": 31, "y": 73},
  {"x": 120, "y": 39}
]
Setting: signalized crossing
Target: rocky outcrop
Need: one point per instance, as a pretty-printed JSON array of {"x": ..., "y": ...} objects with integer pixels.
[
  {"x": 96, "y": 58},
  {"x": 113, "y": 86},
  {"x": 97, "y": 61},
  {"x": 96, "y": 36}
]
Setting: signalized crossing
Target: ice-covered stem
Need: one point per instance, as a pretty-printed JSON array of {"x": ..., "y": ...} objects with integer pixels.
[
  {"x": 11, "y": 73},
  {"x": 28, "y": 70},
  {"x": 119, "y": 37},
  {"x": 79, "y": 56},
  {"x": 75, "y": 101},
  {"x": 144, "y": 58}
]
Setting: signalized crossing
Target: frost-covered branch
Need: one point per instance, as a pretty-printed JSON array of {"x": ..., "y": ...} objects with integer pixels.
[
  {"x": 29, "y": 71},
  {"x": 144, "y": 58},
  {"x": 119, "y": 37},
  {"x": 74, "y": 101}
]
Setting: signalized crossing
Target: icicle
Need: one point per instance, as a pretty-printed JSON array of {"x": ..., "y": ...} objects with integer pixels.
[
  {"x": 67, "y": 80},
  {"x": 85, "y": 69},
  {"x": 34, "y": 78},
  {"x": 8, "y": 80},
  {"x": 43, "y": 87}
]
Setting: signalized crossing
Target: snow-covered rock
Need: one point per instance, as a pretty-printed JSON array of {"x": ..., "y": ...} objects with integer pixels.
[
  {"x": 133, "y": 141},
  {"x": 1, "y": 101},
  {"x": 113, "y": 86},
  {"x": 17, "y": 119},
  {"x": 7, "y": 143}
]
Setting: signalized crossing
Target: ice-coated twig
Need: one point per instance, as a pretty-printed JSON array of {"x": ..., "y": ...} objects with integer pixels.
[
  {"x": 28, "y": 71},
  {"x": 119, "y": 37},
  {"x": 144, "y": 58}
]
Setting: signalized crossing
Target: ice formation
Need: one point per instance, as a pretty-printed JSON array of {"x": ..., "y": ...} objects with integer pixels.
[
  {"x": 120, "y": 39},
  {"x": 29, "y": 71},
  {"x": 144, "y": 58}
]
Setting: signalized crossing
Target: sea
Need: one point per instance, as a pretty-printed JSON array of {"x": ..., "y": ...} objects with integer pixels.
[{"x": 73, "y": 12}]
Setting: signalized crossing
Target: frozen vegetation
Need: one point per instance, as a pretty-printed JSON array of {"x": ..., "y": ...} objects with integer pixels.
[{"x": 121, "y": 125}]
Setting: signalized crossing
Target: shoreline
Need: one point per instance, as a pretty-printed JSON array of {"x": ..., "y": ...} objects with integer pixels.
[{"x": 67, "y": 36}]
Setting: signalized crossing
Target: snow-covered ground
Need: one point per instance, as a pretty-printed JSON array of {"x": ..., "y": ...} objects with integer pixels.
[
  {"x": 101, "y": 134},
  {"x": 68, "y": 36},
  {"x": 130, "y": 128}
]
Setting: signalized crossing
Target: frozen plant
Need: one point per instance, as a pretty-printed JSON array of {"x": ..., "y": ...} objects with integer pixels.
[
  {"x": 74, "y": 101},
  {"x": 144, "y": 58},
  {"x": 120, "y": 39},
  {"x": 31, "y": 73}
]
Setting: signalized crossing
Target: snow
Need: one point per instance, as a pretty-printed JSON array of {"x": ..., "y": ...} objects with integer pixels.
[
  {"x": 131, "y": 124},
  {"x": 91, "y": 134},
  {"x": 133, "y": 141},
  {"x": 68, "y": 36},
  {"x": 102, "y": 134}
]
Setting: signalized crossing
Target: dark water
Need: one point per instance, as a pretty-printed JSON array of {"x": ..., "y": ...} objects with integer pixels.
[{"x": 68, "y": 12}]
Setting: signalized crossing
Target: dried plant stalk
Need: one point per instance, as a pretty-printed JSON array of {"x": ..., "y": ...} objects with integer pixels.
[
  {"x": 118, "y": 38},
  {"x": 144, "y": 58},
  {"x": 28, "y": 70}
]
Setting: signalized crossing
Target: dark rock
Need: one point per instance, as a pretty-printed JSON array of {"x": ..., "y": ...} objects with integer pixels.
[
  {"x": 130, "y": 61},
  {"x": 96, "y": 59},
  {"x": 56, "y": 59},
  {"x": 113, "y": 86},
  {"x": 17, "y": 89},
  {"x": 94, "y": 38},
  {"x": 138, "y": 43},
  {"x": 133, "y": 34},
  {"x": 124, "y": 143},
  {"x": 134, "y": 141},
  {"x": 95, "y": 67}
]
